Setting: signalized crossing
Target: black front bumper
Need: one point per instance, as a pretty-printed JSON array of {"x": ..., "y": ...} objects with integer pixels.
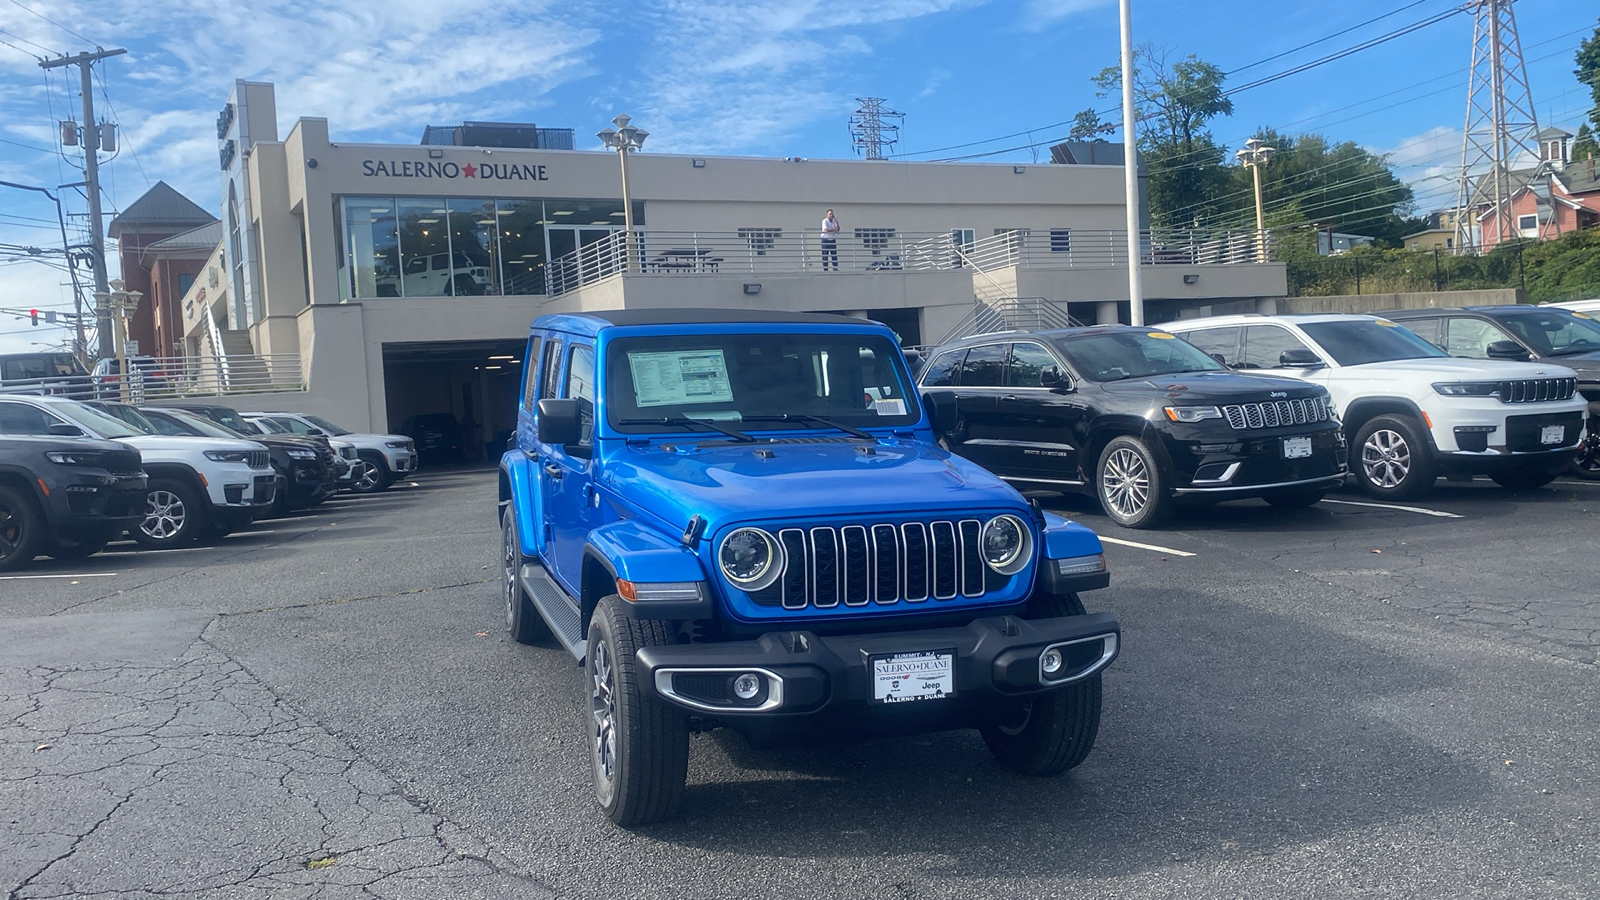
[
  {"x": 93, "y": 503},
  {"x": 807, "y": 677},
  {"x": 1250, "y": 463}
]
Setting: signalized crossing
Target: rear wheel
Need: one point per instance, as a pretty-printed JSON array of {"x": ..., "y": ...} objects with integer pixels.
[
  {"x": 174, "y": 516},
  {"x": 1051, "y": 732},
  {"x": 22, "y": 528},
  {"x": 1523, "y": 479},
  {"x": 1131, "y": 485},
  {"x": 522, "y": 620},
  {"x": 1296, "y": 500},
  {"x": 1394, "y": 460},
  {"x": 638, "y": 745}
]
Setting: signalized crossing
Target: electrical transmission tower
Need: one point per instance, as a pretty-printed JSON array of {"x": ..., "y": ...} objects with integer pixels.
[
  {"x": 871, "y": 131},
  {"x": 1500, "y": 125}
]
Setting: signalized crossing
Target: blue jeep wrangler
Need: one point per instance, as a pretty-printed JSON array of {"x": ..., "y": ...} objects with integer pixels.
[{"x": 741, "y": 519}]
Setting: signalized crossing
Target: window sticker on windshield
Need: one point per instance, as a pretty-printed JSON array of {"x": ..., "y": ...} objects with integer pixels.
[
  {"x": 1162, "y": 335},
  {"x": 896, "y": 407},
  {"x": 1579, "y": 315},
  {"x": 1386, "y": 322},
  {"x": 679, "y": 377}
]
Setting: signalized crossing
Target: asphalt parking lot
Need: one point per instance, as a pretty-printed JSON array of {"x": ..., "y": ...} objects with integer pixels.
[{"x": 1349, "y": 700}]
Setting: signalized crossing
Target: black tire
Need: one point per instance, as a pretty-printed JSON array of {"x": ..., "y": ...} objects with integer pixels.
[
  {"x": 280, "y": 500},
  {"x": 638, "y": 745},
  {"x": 175, "y": 515},
  {"x": 1523, "y": 479},
  {"x": 1391, "y": 458},
  {"x": 1586, "y": 459},
  {"x": 22, "y": 528},
  {"x": 522, "y": 619},
  {"x": 1131, "y": 485},
  {"x": 81, "y": 546},
  {"x": 1054, "y": 731},
  {"x": 1295, "y": 500},
  {"x": 374, "y": 475}
]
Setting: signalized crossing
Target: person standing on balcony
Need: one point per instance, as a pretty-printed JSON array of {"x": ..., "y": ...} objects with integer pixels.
[{"x": 830, "y": 241}]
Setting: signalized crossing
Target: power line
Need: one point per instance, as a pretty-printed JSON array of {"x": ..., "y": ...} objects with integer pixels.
[
  {"x": 75, "y": 34},
  {"x": 1327, "y": 38},
  {"x": 29, "y": 43}
]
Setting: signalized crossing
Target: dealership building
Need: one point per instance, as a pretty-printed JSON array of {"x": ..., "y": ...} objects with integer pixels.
[{"x": 381, "y": 281}]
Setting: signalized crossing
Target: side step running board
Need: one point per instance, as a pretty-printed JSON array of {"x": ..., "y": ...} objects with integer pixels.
[{"x": 558, "y": 611}]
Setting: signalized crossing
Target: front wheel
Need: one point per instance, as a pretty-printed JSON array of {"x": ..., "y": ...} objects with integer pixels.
[
  {"x": 1523, "y": 479},
  {"x": 1131, "y": 485},
  {"x": 639, "y": 746},
  {"x": 1586, "y": 459},
  {"x": 1395, "y": 462},
  {"x": 174, "y": 515},
  {"x": 372, "y": 474},
  {"x": 22, "y": 528},
  {"x": 1051, "y": 732}
]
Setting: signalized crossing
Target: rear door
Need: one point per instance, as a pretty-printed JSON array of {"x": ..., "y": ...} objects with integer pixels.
[
  {"x": 565, "y": 472},
  {"x": 980, "y": 433}
]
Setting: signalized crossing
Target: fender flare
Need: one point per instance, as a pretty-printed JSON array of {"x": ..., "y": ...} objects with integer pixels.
[
  {"x": 1067, "y": 540},
  {"x": 628, "y": 550},
  {"x": 519, "y": 489}
]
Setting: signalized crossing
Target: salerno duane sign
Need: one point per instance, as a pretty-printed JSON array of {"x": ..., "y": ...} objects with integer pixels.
[{"x": 433, "y": 168}]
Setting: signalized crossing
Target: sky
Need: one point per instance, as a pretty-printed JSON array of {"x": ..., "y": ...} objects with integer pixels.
[{"x": 740, "y": 77}]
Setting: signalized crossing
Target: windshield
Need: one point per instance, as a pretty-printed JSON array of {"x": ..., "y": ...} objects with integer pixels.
[
  {"x": 855, "y": 379},
  {"x": 1116, "y": 355},
  {"x": 1355, "y": 342},
  {"x": 269, "y": 426},
  {"x": 1555, "y": 333},
  {"x": 103, "y": 424},
  {"x": 202, "y": 425},
  {"x": 325, "y": 426},
  {"x": 126, "y": 413}
]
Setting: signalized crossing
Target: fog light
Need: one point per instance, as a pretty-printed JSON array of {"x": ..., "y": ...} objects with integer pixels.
[
  {"x": 748, "y": 685},
  {"x": 1051, "y": 661}
]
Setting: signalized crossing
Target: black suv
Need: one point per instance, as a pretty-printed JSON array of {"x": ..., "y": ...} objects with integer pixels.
[
  {"x": 1567, "y": 338},
  {"x": 65, "y": 497},
  {"x": 1136, "y": 417}
]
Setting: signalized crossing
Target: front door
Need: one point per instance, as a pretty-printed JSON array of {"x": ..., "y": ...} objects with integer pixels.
[
  {"x": 566, "y": 474},
  {"x": 1042, "y": 427}
]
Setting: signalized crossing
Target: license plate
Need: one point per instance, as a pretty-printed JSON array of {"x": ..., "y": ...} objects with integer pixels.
[
  {"x": 905, "y": 677},
  {"x": 1553, "y": 434},
  {"x": 1296, "y": 448}
]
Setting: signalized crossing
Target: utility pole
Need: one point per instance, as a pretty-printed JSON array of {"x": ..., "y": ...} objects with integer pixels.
[
  {"x": 1130, "y": 169},
  {"x": 91, "y": 177},
  {"x": 871, "y": 132},
  {"x": 1500, "y": 124}
]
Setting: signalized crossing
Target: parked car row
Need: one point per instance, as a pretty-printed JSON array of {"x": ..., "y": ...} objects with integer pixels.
[
  {"x": 1276, "y": 407},
  {"x": 77, "y": 474}
]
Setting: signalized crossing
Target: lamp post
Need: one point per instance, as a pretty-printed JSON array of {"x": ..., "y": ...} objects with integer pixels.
[
  {"x": 120, "y": 305},
  {"x": 625, "y": 139},
  {"x": 1256, "y": 154},
  {"x": 1130, "y": 168}
]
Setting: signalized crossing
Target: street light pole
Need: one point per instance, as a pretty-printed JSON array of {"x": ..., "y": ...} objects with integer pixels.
[
  {"x": 1256, "y": 154},
  {"x": 625, "y": 139},
  {"x": 1130, "y": 172}
]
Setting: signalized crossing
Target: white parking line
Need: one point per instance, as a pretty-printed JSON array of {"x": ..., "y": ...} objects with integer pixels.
[
  {"x": 1578, "y": 483},
  {"x": 86, "y": 575},
  {"x": 1412, "y": 509},
  {"x": 1151, "y": 547}
]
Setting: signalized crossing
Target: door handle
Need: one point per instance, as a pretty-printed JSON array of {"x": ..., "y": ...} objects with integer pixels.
[
  {"x": 1010, "y": 397},
  {"x": 553, "y": 470}
]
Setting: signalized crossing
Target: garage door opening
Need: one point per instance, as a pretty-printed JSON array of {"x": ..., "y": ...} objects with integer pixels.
[{"x": 456, "y": 399}]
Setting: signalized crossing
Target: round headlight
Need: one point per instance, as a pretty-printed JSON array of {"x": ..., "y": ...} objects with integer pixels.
[
  {"x": 750, "y": 558},
  {"x": 1007, "y": 544}
]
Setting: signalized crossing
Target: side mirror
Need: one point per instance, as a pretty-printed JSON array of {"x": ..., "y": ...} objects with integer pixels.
[
  {"x": 316, "y": 432},
  {"x": 558, "y": 422},
  {"x": 941, "y": 407},
  {"x": 1051, "y": 377},
  {"x": 1300, "y": 359},
  {"x": 1508, "y": 350},
  {"x": 1219, "y": 358},
  {"x": 62, "y": 429}
]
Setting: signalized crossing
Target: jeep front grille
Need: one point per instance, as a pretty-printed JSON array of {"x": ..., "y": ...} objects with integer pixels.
[
  {"x": 1538, "y": 390},
  {"x": 882, "y": 564},
  {"x": 258, "y": 459},
  {"x": 1276, "y": 413}
]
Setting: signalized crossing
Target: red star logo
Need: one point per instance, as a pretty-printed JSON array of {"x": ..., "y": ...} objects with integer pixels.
[{"x": 469, "y": 170}]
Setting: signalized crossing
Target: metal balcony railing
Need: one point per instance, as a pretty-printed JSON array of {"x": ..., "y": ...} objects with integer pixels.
[
  {"x": 154, "y": 378},
  {"x": 1060, "y": 248}
]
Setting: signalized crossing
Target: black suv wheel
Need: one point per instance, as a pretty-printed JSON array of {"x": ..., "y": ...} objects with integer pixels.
[
  {"x": 638, "y": 745},
  {"x": 1131, "y": 485},
  {"x": 1392, "y": 459},
  {"x": 21, "y": 528}
]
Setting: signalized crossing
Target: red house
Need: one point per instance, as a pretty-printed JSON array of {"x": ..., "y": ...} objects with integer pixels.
[
  {"x": 163, "y": 240},
  {"x": 1554, "y": 198}
]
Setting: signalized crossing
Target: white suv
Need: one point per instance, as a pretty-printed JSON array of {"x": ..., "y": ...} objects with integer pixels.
[
  {"x": 199, "y": 486},
  {"x": 1411, "y": 411}
]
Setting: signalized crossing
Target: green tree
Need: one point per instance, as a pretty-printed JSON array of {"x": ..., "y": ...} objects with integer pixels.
[
  {"x": 1324, "y": 183},
  {"x": 1583, "y": 146},
  {"x": 1175, "y": 102},
  {"x": 1086, "y": 126},
  {"x": 1588, "y": 71}
]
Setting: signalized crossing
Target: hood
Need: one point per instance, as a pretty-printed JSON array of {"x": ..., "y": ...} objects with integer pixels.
[
  {"x": 1453, "y": 369},
  {"x": 1215, "y": 387},
  {"x": 365, "y": 438},
  {"x": 1587, "y": 365},
  {"x": 176, "y": 443},
  {"x": 738, "y": 482}
]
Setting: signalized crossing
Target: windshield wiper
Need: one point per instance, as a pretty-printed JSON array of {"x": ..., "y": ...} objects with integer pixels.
[
  {"x": 805, "y": 417},
  {"x": 684, "y": 420}
]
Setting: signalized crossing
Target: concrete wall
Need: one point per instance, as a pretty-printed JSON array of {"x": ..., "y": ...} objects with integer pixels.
[
  {"x": 1159, "y": 282},
  {"x": 1362, "y": 303}
]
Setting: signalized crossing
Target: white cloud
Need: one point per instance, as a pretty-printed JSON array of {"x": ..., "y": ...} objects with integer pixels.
[
  {"x": 1040, "y": 14},
  {"x": 1431, "y": 163}
]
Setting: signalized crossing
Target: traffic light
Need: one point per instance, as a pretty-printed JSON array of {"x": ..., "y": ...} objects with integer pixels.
[{"x": 34, "y": 315}]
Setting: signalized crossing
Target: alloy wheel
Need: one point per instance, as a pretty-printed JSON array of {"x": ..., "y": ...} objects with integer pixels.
[
  {"x": 164, "y": 515},
  {"x": 603, "y": 714},
  {"x": 366, "y": 476},
  {"x": 1386, "y": 458},
  {"x": 1126, "y": 483},
  {"x": 508, "y": 571}
]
